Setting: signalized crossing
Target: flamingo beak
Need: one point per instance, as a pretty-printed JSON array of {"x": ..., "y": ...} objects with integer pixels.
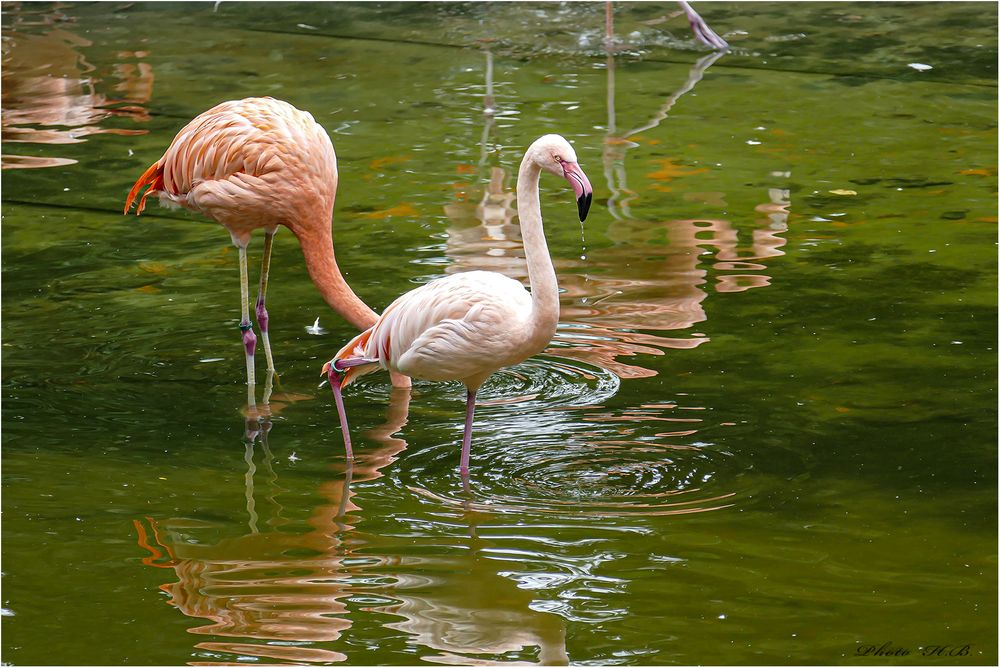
[{"x": 581, "y": 187}]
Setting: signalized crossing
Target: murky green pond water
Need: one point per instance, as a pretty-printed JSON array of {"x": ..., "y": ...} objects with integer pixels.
[{"x": 766, "y": 430}]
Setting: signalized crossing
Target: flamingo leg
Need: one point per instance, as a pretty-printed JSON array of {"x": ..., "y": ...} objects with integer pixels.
[
  {"x": 249, "y": 339},
  {"x": 701, "y": 30},
  {"x": 265, "y": 265},
  {"x": 335, "y": 381},
  {"x": 470, "y": 409}
]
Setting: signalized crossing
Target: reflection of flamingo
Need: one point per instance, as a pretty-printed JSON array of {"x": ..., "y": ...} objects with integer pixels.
[
  {"x": 284, "y": 595},
  {"x": 259, "y": 163},
  {"x": 652, "y": 279},
  {"x": 274, "y": 585},
  {"x": 48, "y": 82},
  {"x": 617, "y": 143},
  {"x": 466, "y": 326},
  {"x": 483, "y": 235}
]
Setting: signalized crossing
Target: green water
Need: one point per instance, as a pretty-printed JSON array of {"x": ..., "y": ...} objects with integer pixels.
[{"x": 765, "y": 432}]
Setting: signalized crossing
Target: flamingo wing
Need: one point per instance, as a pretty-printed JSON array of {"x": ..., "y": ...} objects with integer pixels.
[
  {"x": 462, "y": 326},
  {"x": 235, "y": 161}
]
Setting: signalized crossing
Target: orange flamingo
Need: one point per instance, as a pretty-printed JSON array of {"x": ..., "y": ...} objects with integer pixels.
[{"x": 260, "y": 163}]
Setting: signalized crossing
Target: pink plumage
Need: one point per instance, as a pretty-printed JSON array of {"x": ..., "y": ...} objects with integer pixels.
[
  {"x": 247, "y": 164},
  {"x": 259, "y": 163},
  {"x": 467, "y": 326}
]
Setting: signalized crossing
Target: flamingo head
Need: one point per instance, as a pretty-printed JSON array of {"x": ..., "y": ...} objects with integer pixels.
[{"x": 554, "y": 154}]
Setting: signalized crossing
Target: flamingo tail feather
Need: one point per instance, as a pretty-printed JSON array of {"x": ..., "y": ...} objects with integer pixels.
[{"x": 153, "y": 177}]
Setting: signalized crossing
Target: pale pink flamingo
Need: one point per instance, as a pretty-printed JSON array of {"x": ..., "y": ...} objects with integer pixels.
[
  {"x": 467, "y": 326},
  {"x": 260, "y": 163},
  {"x": 701, "y": 30}
]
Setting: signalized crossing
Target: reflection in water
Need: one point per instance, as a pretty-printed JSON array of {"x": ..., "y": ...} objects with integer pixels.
[
  {"x": 461, "y": 606},
  {"x": 482, "y": 233},
  {"x": 278, "y": 591},
  {"x": 277, "y": 587},
  {"x": 653, "y": 280},
  {"x": 47, "y": 82},
  {"x": 616, "y": 143},
  {"x": 616, "y": 302}
]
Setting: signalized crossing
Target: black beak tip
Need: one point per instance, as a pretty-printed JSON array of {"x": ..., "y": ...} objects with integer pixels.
[{"x": 583, "y": 205}]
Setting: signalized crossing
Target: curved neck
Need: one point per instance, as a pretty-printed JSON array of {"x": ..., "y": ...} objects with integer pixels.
[
  {"x": 316, "y": 239},
  {"x": 541, "y": 273}
]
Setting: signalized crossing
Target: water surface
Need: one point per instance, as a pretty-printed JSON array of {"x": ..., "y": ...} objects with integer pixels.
[{"x": 764, "y": 433}]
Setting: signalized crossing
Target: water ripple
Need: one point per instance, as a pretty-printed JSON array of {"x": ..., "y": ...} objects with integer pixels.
[
  {"x": 567, "y": 467},
  {"x": 537, "y": 383},
  {"x": 551, "y": 383}
]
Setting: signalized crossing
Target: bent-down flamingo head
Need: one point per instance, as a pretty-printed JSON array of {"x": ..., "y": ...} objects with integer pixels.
[
  {"x": 554, "y": 154},
  {"x": 350, "y": 362}
]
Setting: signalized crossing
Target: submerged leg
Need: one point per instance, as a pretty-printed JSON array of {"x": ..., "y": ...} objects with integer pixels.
[
  {"x": 334, "y": 377},
  {"x": 265, "y": 265},
  {"x": 470, "y": 409},
  {"x": 249, "y": 339}
]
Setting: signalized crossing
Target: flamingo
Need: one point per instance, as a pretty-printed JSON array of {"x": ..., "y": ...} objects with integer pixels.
[
  {"x": 702, "y": 32},
  {"x": 260, "y": 163},
  {"x": 466, "y": 326}
]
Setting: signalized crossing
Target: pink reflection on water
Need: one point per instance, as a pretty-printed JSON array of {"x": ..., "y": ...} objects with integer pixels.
[
  {"x": 656, "y": 279},
  {"x": 623, "y": 301},
  {"x": 283, "y": 595},
  {"x": 275, "y": 585},
  {"x": 52, "y": 95}
]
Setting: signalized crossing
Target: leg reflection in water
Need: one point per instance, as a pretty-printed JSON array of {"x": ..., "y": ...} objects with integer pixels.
[{"x": 271, "y": 591}]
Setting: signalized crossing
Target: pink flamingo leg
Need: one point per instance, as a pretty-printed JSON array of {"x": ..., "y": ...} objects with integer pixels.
[
  {"x": 265, "y": 266},
  {"x": 334, "y": 376},
  {"x": 249, "y": 338},
  {"x": 470, "y": 409}
]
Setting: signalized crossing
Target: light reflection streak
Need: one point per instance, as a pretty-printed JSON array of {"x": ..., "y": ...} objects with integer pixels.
[{"x": 610, "y": 508}]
